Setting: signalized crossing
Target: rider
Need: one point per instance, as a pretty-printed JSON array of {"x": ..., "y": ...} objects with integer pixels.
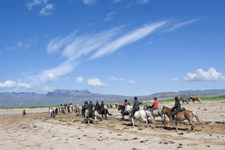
[
  {"x": 123, "y": 110},
  {"x": 97, "y": 106},
  {"x": 135, "y": 107},
  {"x": 90, "y": 107},
  {"x": 86, "y": 105},
  {"x": 154, "y": 105},
  {"x": 177, "y": 108},
  {"x": 102, "y": 107}
]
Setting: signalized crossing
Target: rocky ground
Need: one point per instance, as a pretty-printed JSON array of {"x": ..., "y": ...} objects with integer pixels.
[{"x": 38, "y": 131}]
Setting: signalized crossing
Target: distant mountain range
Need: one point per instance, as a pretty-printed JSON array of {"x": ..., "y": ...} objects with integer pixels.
[{"x": 79, "y": 96}]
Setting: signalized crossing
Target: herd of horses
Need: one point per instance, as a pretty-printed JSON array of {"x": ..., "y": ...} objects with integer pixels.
[{"x": 144, "y": 114}]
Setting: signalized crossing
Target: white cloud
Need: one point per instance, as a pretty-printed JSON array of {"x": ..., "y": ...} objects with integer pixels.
[
  {"x": 79, "y": 79},
  {"x": 47, "y": 10},
  {"x": 14, "y": 84},
  {"x": 51, "y": 77},
  {"x": 178, "y": 25},
  {"x": 88, "y": 2},
  {"x": 95, "y": 82},
  {"x": 33, "y": 3},
  {"x": 48, "y": 89},
  {"x": 201, "y": 75}
]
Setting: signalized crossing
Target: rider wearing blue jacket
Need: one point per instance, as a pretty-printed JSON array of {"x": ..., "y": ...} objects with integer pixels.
[{"x": 135, "y": 107}]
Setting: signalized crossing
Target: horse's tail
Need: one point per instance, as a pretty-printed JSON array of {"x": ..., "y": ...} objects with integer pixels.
[
  {"x": 197, "y": 118},
  {"x": 109, "y": 113}
]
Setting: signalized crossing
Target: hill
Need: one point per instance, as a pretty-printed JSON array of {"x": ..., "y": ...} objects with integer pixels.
[{"x": 57, "y": 97}]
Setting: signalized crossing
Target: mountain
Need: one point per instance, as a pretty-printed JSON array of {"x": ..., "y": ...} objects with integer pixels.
[{"x": 57, "y": 97}]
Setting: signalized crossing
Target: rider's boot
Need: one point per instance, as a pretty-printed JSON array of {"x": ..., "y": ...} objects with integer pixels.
[{"x": 175, "y": 119}]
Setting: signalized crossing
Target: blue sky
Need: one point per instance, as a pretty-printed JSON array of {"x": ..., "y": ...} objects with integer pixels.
[{"x": 123, "y": 47}]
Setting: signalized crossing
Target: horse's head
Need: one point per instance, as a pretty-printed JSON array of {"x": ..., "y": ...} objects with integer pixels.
[
  {"x": 165, "y": 110},
  {"x": 145, "y": 107},
  {"x": 128, "y": 108}
]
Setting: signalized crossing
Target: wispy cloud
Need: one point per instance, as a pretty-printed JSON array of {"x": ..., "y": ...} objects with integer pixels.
[
  {"x": 109, "y": 16},
  {"x": 47, "y": 10},
  {"x": 181, "y": 24},
  {"x": 95, "y": 82},
  {"x": 201, "y": 75},
  {"x": 89, "y": 2},
  {"x": 128, "y": 38},
  {"x": 113, "y": 78},
  {"x": 46, "y": 7},
  {"x": 78, "y": 48},
  {"x": 143, "y": 1}
]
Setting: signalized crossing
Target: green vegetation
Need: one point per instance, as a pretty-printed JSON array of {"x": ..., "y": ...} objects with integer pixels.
[
  {"x": 26, "y": 107},
  {"x": 161, "y": 101}
]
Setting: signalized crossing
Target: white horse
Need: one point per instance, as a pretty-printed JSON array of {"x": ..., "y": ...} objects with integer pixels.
[
  {"x": 71, "y": 108},
  {"x": 140, "y": 114},
  {"x": 51, "y": 112},
  {"x": 156, "y": 113}
]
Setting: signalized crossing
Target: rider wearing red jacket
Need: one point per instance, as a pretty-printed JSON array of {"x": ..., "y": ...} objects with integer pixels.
[{"x": 154, "y": 105}]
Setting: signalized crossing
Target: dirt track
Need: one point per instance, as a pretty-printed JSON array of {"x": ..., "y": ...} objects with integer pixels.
[{"x": 38, "y": 131}]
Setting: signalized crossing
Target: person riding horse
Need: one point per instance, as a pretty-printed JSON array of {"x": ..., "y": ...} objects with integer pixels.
[
  {"x": 123, "y": 110},
  {"x": 90, "y": 107},
  {"x": 102, "y": 107},
  {"x": 97, "y": 106},
  {"x": 135, "y": 107},
  {"x": 154, "y": 105},
  {"x": 177, "y": 108}
]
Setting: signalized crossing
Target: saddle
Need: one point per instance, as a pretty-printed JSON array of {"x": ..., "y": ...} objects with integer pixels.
[{"x": 182, "y": 109}]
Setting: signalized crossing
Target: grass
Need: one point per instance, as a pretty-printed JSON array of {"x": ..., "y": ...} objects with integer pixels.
[{"x": 149, "y": 102}]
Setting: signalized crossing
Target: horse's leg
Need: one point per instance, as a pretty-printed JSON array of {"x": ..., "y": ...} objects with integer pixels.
[{"x": 132, "y": 121}]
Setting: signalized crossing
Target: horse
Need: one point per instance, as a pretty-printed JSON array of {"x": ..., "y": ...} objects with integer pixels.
[
  {"x": 116, "y": 105},
  {"x": 184, "y": 100},
  {"x": 195, "y": 99},
  {"x": 181, "y": 116},
  {"x": 121, "y": 108},
  {"x": 156, "y": 113},
  {"x": 102, "y": 112},
  {"x": 51, "y": 112},
  {"x": 71, "y": 108},
  {"x": 93, "y": 114},
  {"x": 77, "y": 110},
  {"x": 138, "y": 115},
  {"x": 24, "y": 113}
]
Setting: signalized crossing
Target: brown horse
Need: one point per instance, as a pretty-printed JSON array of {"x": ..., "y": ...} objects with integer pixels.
[
  {"x": 195, "y": 99},
  {"x": 181, "y": 116},
  {"x": 77, "y": 110},
  {"x": 185, "y": 100},
  {"x": 121, "y": 108}
]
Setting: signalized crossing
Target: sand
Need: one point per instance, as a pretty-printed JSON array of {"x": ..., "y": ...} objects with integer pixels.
[{"x": 38, "y": 131}]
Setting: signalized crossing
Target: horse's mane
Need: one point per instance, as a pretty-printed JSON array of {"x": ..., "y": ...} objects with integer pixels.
[{"x": 166, "y": 106}]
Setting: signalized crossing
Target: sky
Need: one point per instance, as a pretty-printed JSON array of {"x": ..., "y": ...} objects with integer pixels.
[{"x": 119, "y": 47}]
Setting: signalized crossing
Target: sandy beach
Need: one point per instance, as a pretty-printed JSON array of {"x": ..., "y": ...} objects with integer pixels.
[{"x": 38, "y": 131}]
